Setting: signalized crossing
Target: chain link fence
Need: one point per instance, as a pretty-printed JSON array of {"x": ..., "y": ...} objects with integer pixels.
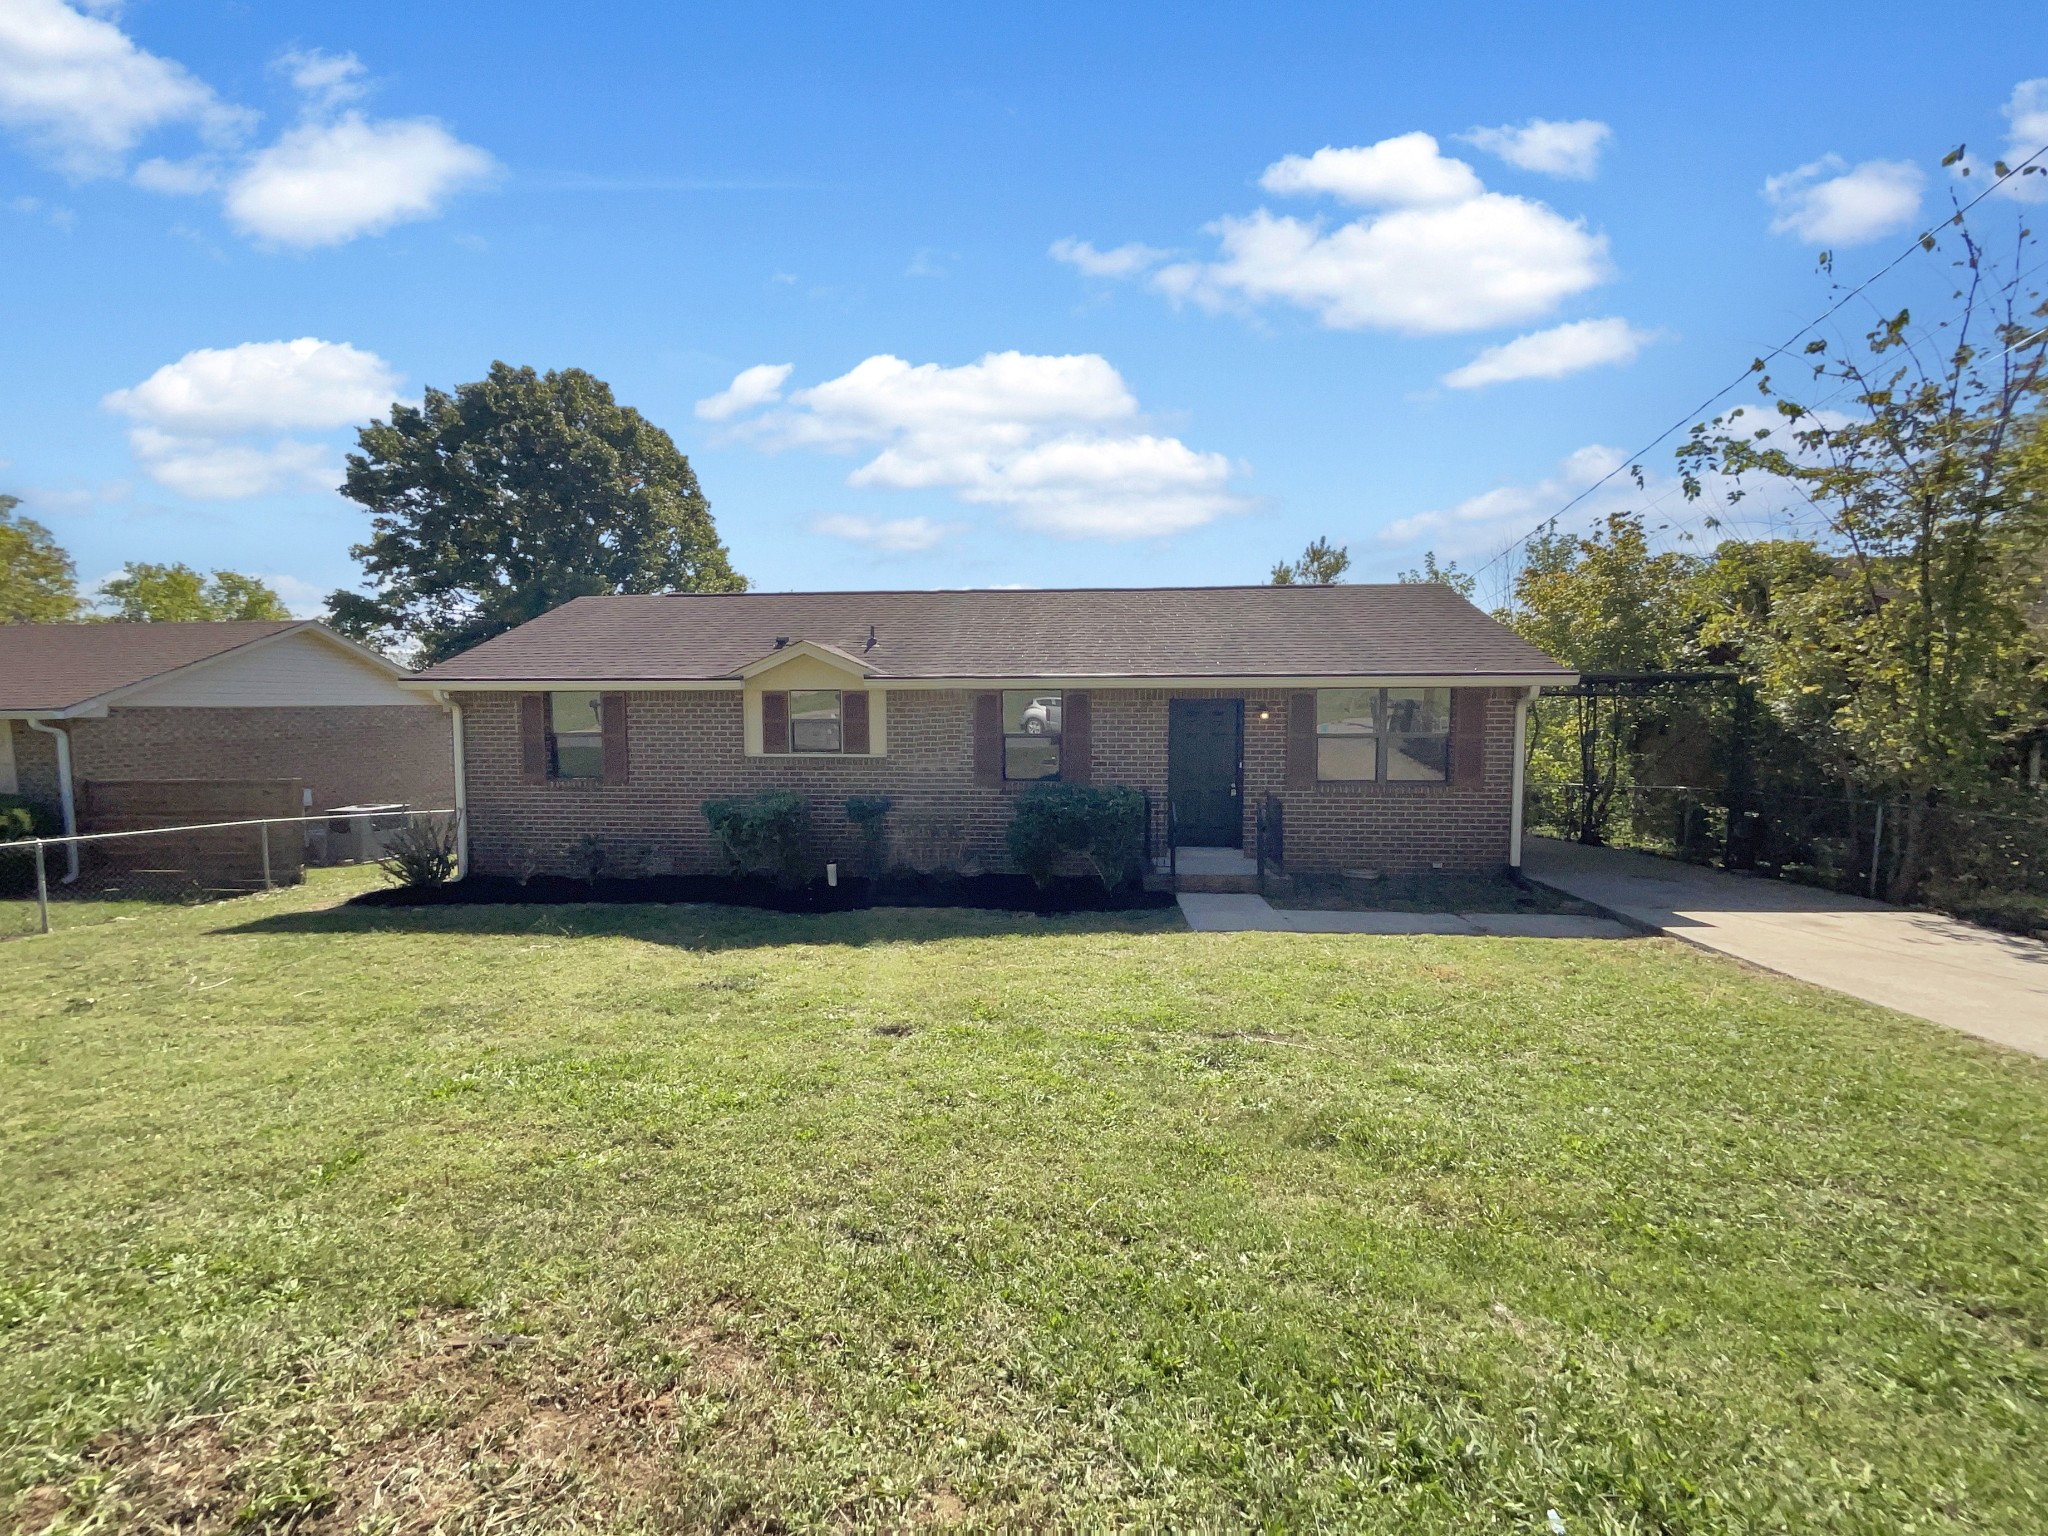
[
  {"x": 50, "y": 883},
  {"x": 1984, "y": 862}
]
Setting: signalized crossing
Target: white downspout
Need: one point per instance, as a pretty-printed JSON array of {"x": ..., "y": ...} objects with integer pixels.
[
  {"x": 65, "y": 802},
  {"x": 461, "y": 787},
  {"x": 1521, "y": 755}
]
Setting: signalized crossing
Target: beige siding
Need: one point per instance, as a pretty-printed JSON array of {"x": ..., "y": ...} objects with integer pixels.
[{"x": 300, "y": 669}]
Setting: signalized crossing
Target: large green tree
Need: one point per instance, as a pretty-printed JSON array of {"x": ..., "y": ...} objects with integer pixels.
[
  {"x": 507, "y": 498},
  {"x": 1917, "y": 453},
  {"x": 162, "y": 594},
  {"x": 38, "y": 583}
]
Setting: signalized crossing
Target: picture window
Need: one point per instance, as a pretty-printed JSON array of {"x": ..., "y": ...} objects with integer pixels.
[{"x": 1031, "y": 734}]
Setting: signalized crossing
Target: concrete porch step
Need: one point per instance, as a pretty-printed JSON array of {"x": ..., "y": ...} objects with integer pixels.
[{"x": 1213, "y": 870}]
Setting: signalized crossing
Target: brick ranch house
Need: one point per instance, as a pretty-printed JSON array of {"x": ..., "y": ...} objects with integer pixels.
[
  {"x": 195, "y": 707},
  {"x": 1385, "y": 721}
]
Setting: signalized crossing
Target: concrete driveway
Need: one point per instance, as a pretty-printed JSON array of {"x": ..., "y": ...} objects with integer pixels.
[{"x": 1987, "y": 984}]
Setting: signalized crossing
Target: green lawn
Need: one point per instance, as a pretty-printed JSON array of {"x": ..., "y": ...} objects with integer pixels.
[{"x": 523, "y": 1219}]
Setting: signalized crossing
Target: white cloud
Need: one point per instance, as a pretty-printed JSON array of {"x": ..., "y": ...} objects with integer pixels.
[
  {"x": 207, "y": 470},
  {"x": 302, "y": 597},
  {"x": 1555, "y": 149},
  {"x": 2027, "y": 116},
  {"x": 179, "y": 178},
  {"x": 1123, "y": 261},
  {"x": 896, "y": 535},
  {"x": 1487, "y": 522},
  {"x": 83, "y": 94},
  {"x": 758, "y": 385},
  {"x": 325, "y": 79},
  {"x": 324, "y": 183},
  {"x": 1405, "y": 171},
  {"x": 1826, "y": 202},
  {"x": 1492, "y": 260},
  {"x": 306, "y": 384},
  {"x": 196, "y": 417},
  {"x": 1442, "y": 254},
  {"x": 1552, "y": 354},
  {"x": 1050, "y": 440}
]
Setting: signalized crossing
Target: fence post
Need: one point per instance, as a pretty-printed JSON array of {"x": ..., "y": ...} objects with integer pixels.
[
  {"x": 265, "y": 830},
  {"x": 42, "y": 888}
]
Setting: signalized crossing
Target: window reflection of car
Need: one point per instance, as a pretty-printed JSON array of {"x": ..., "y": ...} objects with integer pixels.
[{"x": 1042, "y": 717}]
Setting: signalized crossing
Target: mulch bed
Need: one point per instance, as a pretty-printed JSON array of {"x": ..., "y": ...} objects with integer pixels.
[{"x": 994, "y": 893}]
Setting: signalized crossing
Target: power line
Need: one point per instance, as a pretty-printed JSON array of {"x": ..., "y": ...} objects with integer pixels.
[{"x": 1920, "y": 242}]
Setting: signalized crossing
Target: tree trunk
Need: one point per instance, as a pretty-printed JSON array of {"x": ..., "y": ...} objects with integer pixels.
[{"x": 1904, "y": 884}]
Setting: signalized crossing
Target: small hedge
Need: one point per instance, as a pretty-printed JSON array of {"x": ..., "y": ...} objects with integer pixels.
[
  {"x": 767, "y": 833},
  {"x": 1104, "y": 825}
]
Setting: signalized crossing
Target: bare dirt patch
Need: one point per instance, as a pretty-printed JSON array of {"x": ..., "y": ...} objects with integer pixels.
[{"x": 463, "y": 1432}]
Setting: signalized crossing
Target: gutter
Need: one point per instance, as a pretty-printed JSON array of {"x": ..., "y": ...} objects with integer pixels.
[
  {"x": 461, "y": 785},
  {"x": 1521, "y": 759},
  {"x": 65, "y": 802}
]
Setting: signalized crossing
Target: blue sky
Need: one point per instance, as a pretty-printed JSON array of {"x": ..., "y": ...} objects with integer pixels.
[{"x": 1048, "y": 295}]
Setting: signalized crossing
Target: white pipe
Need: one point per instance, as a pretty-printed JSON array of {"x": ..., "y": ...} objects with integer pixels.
[
  {"x": 1521, "y": 753},
  {"x": 461, "y": 789},
  {"x": 66, "y": 804}
]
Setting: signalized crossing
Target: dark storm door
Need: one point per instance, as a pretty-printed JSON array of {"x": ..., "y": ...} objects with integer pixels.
[{"x": 1204, "y": 754}]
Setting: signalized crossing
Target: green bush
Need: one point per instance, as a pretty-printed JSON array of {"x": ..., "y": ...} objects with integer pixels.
[
  {"x": 870, "y": 813},
  {"x": 21, "y": 818},
  {"x": 767, "y": 833},
  {"x": 422, "y": 852},
  {"x": 1104, "y": 825}
]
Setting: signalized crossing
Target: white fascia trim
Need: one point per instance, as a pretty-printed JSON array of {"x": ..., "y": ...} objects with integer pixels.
[
  {"x": 830, "y": 655},
  {"x": 942, "y": 684}
]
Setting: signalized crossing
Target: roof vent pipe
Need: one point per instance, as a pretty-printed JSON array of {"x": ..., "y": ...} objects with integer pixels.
[
  {"x": 781, "y": 641},
  {"x": 871, "y": 638}
]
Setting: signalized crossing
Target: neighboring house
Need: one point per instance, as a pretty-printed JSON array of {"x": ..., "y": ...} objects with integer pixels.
[
  {"x": 1384, "y": 721},
  {"x": 214, "y": 702}
]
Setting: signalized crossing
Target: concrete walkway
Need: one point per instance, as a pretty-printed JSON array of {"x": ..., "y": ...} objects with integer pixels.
[
  {"x": 1254, "y": 914},
  {"x": 1988, "y": 984}
]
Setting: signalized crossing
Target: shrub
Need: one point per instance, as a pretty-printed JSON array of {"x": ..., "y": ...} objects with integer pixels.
[
  {"x": 766, "y": 833},
  {"x": 1105, "y": 825},
  {"x": 21, "y": 818},
  {"x": 422, "y": 852},
  {"x": 588, "y": 859},
  {"x": 870, "y": 813}
]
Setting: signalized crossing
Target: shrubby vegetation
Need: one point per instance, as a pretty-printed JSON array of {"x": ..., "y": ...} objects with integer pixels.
[
  {"x": 1103, "y": 824},
  {"x": 766, "y": 833}
]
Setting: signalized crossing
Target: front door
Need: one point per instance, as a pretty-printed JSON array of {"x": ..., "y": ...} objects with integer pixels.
[{"x": 1204, "y": 759}]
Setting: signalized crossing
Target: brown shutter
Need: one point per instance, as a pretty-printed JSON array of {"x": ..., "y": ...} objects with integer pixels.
[
  {"x": 617, "y": 763},
  {"x": 1301, "y": 741},
  {"x": 1076, "y": 739},
  {"x": 774, "y": 722},
  {"x": 988, "y": 738},
  {"x": 1468, "y": 735},
  {"x": 853, "y": 721},
  {"x": 533, "y": 737}
]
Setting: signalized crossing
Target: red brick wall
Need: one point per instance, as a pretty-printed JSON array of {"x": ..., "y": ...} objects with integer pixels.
[
  {"x": 686, "y": 748},
  {"x": 346, "y": 754}
]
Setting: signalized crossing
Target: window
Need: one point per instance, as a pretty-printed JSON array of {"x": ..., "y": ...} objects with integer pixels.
[
  {"x": 575, "y": 736},
  {"x": 1348, "y": 733},
  {"x": 1402, "y": 735},
  {"x": 1418, "y": 735},
  {"x": 815, "y": 720},
  {"x": 1031, "y": 735}
]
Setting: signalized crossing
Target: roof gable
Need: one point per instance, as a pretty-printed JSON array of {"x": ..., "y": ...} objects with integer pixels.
[{"x": 51, "y": 668}]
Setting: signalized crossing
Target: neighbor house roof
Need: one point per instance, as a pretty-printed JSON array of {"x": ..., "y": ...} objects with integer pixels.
[
  {"x": 56, "y": 667},
  {"x": 1422, "y": 629}
]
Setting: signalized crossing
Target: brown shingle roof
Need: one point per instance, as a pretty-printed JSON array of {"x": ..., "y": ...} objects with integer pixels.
[
  {"x": 1386, "y": 631},
  {"x": 55, "y": 666}
]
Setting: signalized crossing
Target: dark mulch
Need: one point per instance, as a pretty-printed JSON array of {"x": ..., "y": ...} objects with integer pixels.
[{"x": 994, "y": 893}]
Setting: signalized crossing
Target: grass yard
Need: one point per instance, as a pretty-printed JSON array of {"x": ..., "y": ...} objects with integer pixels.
[{"x": 613, "y": 1218}]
